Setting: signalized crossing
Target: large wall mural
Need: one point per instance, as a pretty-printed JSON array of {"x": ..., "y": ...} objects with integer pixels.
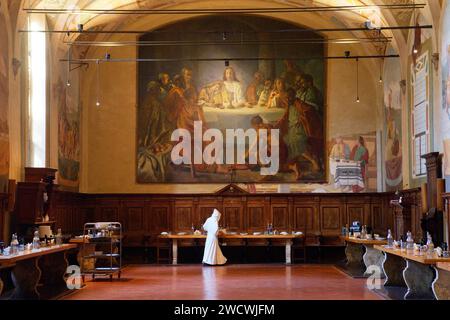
[
  {"x": 393, "y": 124},
  {"x": 68, "y": 131},
  {"x": 4, "y": 101},
  {"x": 252, "y": 92},
  {"x": 445, "y": 69}
]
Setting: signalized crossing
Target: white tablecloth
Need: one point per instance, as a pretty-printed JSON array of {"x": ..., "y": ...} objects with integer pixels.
[{"x": 346, "y": 173}]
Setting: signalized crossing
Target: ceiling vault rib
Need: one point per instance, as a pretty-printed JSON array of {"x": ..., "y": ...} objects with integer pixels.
[
  {"x": 208, "y": 43},
  {"x": 227, "y": 10},
  {"x": 215, "y": 32},
  {"x": 93, "y": 60}
]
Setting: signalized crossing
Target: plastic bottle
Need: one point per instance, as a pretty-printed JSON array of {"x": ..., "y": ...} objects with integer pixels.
[
  {"x": 14, "y": 245},
  {"x": 430, "y": 244},
  {"x": 363, "y": 232},
  {"x": 36, "y": 241},
  {"x": 409, "y": 242},
  {"x": 58, "y": 238},
  {"x": 390, "y": 239}
]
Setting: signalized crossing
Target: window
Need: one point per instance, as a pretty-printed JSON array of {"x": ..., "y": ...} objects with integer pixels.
[
  {"x": 37, "y": 95},
  {"x": 420, "y": 117}
]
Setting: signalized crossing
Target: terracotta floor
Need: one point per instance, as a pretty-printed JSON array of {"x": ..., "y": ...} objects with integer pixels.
[{"x": 240, "y": 282}]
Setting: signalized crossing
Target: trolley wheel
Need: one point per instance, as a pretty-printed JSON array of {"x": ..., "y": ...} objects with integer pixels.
[
  {"x": 118, "y": 275},
  {"x": 110, "y": 277}
]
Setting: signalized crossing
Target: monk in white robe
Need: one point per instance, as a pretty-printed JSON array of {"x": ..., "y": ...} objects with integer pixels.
[{"x": 213, "y": 255}]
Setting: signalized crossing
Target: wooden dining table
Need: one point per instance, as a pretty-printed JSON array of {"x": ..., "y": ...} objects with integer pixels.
[
  {"x": 39, "y": 273},
  {"x": 287, "y": 238},
  {"x": 422, "y": 275},
  {"x": 361, "y": 255}
]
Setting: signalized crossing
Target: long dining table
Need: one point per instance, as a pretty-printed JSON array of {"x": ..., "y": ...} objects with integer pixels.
[{"x": 288, "y": 240}]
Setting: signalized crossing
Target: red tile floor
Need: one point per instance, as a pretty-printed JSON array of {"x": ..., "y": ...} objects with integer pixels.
[{"x": 241, "y": 282}]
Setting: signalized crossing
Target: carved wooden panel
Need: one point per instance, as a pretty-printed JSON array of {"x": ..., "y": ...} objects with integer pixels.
[
  {"x": 378, "y": 222},
  {"x": 183, "y": 218},
  {"x": 355, "y": 213},
  {"x": 109, "y": 214},
  {"x": 331, "y": 219},
  {"x": 204, "y": 213},
  {"x": 134, "y": 218},
  {"x": 303, "y": 219},
  {"x": 280, "y": 217},
  {"x": 158, "y": 219},
  {"x": 232, "y": 219},
  {"x": 255, "y": 219}
]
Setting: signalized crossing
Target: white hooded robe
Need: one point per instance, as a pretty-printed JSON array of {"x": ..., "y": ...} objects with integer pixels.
[{"x": 213, "y": 255}]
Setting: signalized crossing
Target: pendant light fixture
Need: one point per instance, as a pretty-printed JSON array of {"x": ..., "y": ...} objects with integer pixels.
[
  {"x": 97, "y": 103},
  {"x": 68, "y": 66},
  {"x": 357, "y": 80},
  {"x": 415, "y": 51}
]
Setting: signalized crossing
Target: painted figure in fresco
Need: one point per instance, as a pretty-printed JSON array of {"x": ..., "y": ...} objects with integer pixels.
[
  {"x": 340, "y": 150},
  {"x": 448, "y": 85},
  {"x": 361, "y": 154},
  {"x": 301, "y": 131},
  {"x": 393, "y": 153},
  {"x": 265, "y": 93},
  {"x": 155, "y": 116},
  {"x": 255, "y": 88},
  {"x": 211, "y": 95},
  {"x": 292, "y": 71},
  {"x": 165, "y": 84},
  {"x": 232, "y": 91},
  {"x": 286, "y": 165},
  {"x": 181, "y": 102},
  {"x": 309, "y": 93},
  {"x": 278, "y": 97}
]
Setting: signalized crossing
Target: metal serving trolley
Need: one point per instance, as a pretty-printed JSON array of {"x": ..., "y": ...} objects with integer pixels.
[{"x": 104, "y": 255}]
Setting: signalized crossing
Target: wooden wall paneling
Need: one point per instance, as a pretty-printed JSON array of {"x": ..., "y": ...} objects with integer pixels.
[
  {"x": 146, "y": 216},
  {"x": 107, "y": 210},
  {"x": 3, "y": 208}
]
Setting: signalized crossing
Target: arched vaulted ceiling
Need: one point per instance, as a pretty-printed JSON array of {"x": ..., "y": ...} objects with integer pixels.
[
  {"x": 333, "y": 19},
  {"x": 148, "y": 22}
]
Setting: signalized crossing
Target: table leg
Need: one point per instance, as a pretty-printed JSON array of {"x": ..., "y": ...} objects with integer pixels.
[
  {"x": 441, "y": 284},
  {"x": 54, "y": 267},
  {"x": 1, "y": 286},
  {"x": 373, "y": 257},
  {"x": 174, "y": 251},
  {"x": 25, "y": 276},
  {"x": 393, "y": 269},
  {"x": 288, "y": 251},
  {"x": 419, "y": 279},
  {"x": 354, "y": 254}
]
